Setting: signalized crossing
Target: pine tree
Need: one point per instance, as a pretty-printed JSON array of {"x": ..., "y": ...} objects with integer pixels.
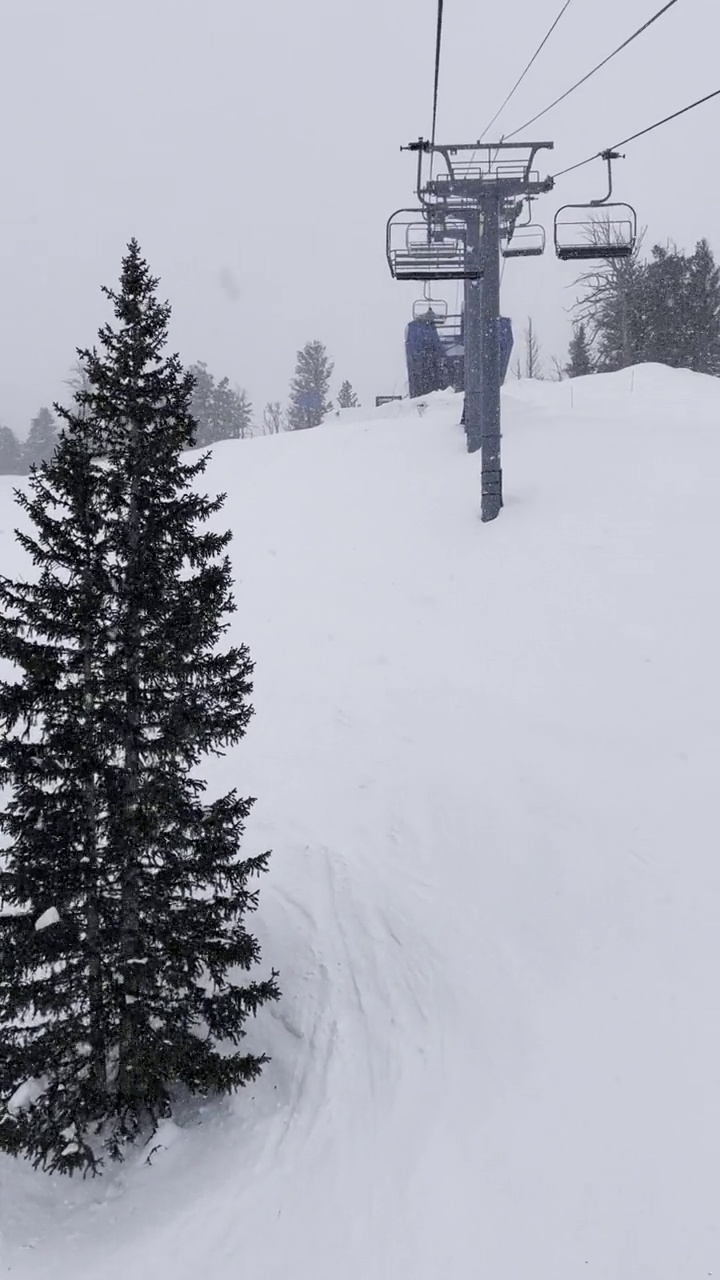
[
  {"x": 704, "y": 310},
  {"x": 54, "y": 1017},
  {"x": 221, "y": 411},
  {"x": 580, "y": 361},
  {"x": 41, "y": 439},
  {"x": 202, "y": 405},
  {"x": 231, "y": 412},
  {"x": 309, "y": 388},
  {"x": 123, "y": 898},
  {"x": 665, "y": 336},
  {"x": 12, "y": 462},
  {"x": 347, "y": 398},
  {"x": 683, "y": 309}
]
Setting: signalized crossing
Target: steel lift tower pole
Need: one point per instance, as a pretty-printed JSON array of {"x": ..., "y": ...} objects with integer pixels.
[
  {"x": 473, "y": 333},
  {"x": 473, "y": 206},
  {"x": 491, "y": 471}
]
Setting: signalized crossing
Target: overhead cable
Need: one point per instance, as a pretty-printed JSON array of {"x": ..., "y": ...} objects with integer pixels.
[
  {"x": 641, "y": 133},
  {"x": 599, "y": 67},
  {"x": 519, "y": 81},
  {"x": 438, "y": 45}
]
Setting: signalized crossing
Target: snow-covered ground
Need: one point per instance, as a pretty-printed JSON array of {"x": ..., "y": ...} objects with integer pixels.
[{"x": 487, "y": 760}]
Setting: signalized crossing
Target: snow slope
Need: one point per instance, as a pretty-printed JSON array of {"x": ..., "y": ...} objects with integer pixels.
[{"x": 486, "y": 759}]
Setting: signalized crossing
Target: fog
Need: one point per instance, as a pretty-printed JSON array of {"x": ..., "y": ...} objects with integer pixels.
[{"x": 254, "y": 152}]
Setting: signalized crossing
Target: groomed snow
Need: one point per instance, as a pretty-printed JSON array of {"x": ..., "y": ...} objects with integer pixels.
[{"x": 486, "y": 758}]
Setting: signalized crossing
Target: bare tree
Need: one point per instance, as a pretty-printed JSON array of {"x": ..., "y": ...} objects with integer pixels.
[
  {"x": 533, "y": 368},
  {"x": 273, "y": 419},
  {"x": 610, "y": 284},
  {"x": 78, "y": 382}
]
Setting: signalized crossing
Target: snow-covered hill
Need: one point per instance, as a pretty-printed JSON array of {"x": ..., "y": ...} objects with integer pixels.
[{"x": 486, "y": 757}]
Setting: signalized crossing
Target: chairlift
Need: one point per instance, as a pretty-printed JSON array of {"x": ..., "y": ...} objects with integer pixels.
[
  {"x": 436, "y": 308},
  {"x": 582, "y": 235},
  {"x": 524, "y": 239},
  {"x": 418, "y": 249},
  {"x": 525, "y": 242}
]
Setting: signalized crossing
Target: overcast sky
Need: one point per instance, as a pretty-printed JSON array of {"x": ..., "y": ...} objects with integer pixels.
[{"x": 253, "y": 149}]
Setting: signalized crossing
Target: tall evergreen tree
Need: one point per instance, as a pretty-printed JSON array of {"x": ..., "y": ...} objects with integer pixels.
[
  {"x": 580, "y": 361},
  {"x": 41, "y": 439},
  {"x": 12, "y": 462},
  {"x": 309, "y": 388},
  {"x": 683, "y": 308},
  {"x": 122, "y": 934},
  {"x": 347, "y": 398},
  {"x": 703, "y": 306},
  {"x": 665, "y": 335}
]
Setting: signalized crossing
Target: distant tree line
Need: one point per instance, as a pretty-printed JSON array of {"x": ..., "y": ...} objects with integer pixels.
[
  {"x": 224, "y": 413},
  {"x": 664, "y": 309},
  {"x": 221, "y": 411},
  {"x": 18, "y": 456}
]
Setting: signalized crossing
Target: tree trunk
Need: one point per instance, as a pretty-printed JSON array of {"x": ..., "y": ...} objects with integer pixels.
[
  {"x": 98, "y": 1047},
  {"x": 131, "y": 968}
]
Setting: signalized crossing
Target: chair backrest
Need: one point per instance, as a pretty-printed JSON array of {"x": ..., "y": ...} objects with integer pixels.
[{"x": 582, "y": 234}]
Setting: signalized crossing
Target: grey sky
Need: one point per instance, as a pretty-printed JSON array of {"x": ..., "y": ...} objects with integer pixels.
[{"x": 253, "y": 150}]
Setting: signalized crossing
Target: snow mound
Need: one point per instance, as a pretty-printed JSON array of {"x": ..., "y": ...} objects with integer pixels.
[
  {"x": 486, "y": 759},
  {"x": 48, "y": 918}
]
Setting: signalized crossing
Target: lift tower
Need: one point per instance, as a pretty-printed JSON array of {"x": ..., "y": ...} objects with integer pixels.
[{"x": 470, "y": 203}]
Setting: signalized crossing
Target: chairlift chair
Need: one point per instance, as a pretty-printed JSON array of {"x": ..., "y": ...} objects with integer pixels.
[
  {"x": 417, "y": 250},
  {"x": 523, "y": 239},
  {"x": 582, "y": 235},
  {"x": 525, "y": 242},
  {"x": 437, "y": 306}
]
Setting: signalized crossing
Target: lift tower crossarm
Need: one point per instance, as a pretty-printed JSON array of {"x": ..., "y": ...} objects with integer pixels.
[
  {"x": 423, "y": 144},
  {"x": 487, "y": 167}
]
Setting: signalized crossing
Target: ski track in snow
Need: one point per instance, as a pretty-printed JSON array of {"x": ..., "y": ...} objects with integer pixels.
[{"x": 486, "y": 760}]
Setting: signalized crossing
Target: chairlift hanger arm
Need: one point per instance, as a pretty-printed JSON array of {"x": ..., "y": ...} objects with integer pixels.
[
  {"x": 518, "y": 211},
  {"x": 608, "y": 156},
  {"x": 510, "y": 218},
  {"x": 423, "y": 147}
]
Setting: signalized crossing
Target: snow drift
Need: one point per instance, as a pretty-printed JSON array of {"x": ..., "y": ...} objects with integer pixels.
[{"x": 486, "y": 758}]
